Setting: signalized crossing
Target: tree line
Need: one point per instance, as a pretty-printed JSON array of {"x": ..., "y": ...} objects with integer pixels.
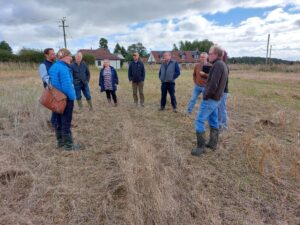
[{"x": 36, "y": 56}]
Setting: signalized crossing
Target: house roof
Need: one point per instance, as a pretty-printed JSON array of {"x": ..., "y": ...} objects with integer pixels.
[
  {"x": 179, "y": 56},
  {"x": 100, "y": 53}
]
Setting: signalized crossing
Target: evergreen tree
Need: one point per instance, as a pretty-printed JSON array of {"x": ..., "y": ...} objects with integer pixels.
[{"x": 103, "y": 43}]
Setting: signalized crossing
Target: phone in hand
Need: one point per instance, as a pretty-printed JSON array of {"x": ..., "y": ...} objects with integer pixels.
[{"x": 206, "y": 69}]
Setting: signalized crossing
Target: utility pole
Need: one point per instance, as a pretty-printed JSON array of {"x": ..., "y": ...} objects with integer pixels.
[
  {"x": 63, "y": 26},
  {"x": 270, "y": 54},
  {"x": 268, "y": 49}
]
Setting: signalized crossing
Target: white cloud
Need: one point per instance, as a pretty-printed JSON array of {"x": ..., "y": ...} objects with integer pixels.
[{"x": 35, "y": 24}]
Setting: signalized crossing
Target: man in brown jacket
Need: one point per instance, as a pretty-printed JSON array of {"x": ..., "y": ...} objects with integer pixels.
[
  {"x": 213, "y": 92},
  {"x": 199, "y": 77}
]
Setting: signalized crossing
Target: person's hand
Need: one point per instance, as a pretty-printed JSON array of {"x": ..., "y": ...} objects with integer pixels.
[
  {"x": 202, "y": 73},
  {"x": 48, "y": 86}
]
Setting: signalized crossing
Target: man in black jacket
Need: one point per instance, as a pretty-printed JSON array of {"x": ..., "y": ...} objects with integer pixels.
[
  {"x": 213, "y": 92},
  {"x": 81, "y": 78},
  {"x": 136, "y": 75}
]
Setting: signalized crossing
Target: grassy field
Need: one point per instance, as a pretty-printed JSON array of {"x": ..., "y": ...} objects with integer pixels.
[{"x": 137, "y": 168}]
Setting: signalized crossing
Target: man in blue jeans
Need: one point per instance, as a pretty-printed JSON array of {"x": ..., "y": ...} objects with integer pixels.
[
  {"x": 199, "y": 78},
  {"x": 222, "y": 109},
  {"x": 208, "y": 110},
  {"x": 81, "y": 77},
  {"x": 168, "y": 72}
]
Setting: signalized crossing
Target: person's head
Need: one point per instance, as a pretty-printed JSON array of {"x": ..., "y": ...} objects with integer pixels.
[
  {"x": 64, "y": 55},
  {"x": 78, "y": 57},
  {"x": 215, "y": 52},
  {"x": 167, "y": 56},
  {"x": 49, "y": 54},
  {"x": 203, "y": 57},
  {"x": 136, "y": 56},
  {"x": 106, "y": 63}
]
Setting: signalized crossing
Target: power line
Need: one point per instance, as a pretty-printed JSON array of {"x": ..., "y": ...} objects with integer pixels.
[{"x": 63, "y": 26}]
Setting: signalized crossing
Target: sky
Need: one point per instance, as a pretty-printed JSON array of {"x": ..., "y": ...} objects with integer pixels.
[{"x": 241, "y": 27}]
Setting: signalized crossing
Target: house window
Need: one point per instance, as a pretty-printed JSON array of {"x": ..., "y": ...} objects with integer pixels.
[
  {"x": 99, "y": 62},
  {"x": 196, "y": 56},
  {"x": 183, "y": 56}
]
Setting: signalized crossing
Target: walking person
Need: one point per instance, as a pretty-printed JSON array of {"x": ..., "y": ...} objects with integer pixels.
[
  {"x": 136, "y": 75},
  {"x": 108, "y": 81},
  {"x": 44, "y": 68},
  {"x": 169, "y": 71},
  {"x": 222, "y": 109},
  {"x": 199, "y": 77},
  {"x": 81, "y": 78},
  {"x": 62, "y": 79},
  {"x": 211, "y": 99}
]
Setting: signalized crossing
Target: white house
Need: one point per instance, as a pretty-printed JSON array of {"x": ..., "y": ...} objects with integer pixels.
[{"x": 102, "y": 53}]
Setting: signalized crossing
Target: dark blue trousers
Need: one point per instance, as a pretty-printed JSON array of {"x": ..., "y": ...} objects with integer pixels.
[
  {"x": 54, "y": 119},
  {"x": 64, "y": 120},
  {"x": 165, "y": 88}
]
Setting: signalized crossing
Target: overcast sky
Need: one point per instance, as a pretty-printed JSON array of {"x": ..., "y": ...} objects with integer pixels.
[{"x": 241, "y": 27}]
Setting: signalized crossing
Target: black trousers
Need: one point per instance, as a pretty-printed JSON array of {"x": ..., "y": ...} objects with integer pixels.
[
  {"x": 109, "y": 94},
  {"x": 165, "y": 88}
]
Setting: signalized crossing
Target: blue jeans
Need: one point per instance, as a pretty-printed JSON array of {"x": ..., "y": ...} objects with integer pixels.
[
  {"x": 208, "y": 110},
  {"x": 222, "y": 112},
  {"x": 165, "y": 88},
  {"x": 64, "y": 120},
  {"x": 85, "y": 90},
  {"x": 196, "y": 92}
]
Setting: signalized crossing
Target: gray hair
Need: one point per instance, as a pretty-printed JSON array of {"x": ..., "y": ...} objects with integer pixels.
[
  {"x": 217, "y": 50},
  {"x": 79, "y": 54},
  {"x": 204, "y": 53}
]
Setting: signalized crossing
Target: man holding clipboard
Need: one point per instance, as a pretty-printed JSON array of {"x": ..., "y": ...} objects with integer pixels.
[{"x": 200, "y": 75}]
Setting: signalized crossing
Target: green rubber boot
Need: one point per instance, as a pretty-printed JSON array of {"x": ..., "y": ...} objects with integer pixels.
[
  {"x": 213, "y": 139},
  {"x": 69, "y": 143},
  {"x": 200, "y": 149},
  {"x": 79, "y": 103}
]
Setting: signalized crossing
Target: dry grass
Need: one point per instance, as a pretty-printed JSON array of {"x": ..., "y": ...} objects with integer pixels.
[
  {"x": 275, "y": 68},
  {"x": 137, "y": 167}
]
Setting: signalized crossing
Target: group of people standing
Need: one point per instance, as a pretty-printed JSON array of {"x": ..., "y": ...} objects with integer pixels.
[{"x": 73, "y": 79}]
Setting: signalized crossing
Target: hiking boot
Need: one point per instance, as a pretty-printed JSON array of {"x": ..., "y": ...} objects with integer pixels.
[
  {"x": 79, "y": 103},
  {"x": 213, "y": 139},
  {"x": 90, "y": 105},
  {"x": 161, "y": 109},
  {"x": 175, "y": 110},
  {"x": 200, "y": 144},
  {"x": 69, "y": 144},
  {"x": 59, "y": 139}
]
